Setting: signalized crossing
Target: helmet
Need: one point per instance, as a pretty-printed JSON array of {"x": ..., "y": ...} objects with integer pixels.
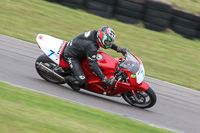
[{"x": 105, "y": 37}]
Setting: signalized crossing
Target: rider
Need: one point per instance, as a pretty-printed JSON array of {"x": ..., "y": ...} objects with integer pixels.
[{"x": 87, "y": 45}]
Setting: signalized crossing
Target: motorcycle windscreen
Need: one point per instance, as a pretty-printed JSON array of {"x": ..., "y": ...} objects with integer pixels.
[{"x": 130, "y": 65}]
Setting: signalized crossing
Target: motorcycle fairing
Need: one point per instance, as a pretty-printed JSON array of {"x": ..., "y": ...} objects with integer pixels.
[
  {"x": 142, "y": 86},
  {"x": 96, "y": 85},
  {"x": 52, "y": 47}
]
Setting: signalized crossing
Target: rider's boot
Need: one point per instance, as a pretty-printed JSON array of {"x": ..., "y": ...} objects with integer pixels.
[{"x": 73, "y": 83}]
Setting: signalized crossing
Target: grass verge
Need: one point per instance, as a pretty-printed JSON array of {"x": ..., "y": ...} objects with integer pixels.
[
  {"x": 166, "y": 56},
  {"x": 30, "y": 112}
]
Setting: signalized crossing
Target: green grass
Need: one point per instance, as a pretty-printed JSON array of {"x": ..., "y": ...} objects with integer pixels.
[
  {"x": 190, "y": 6},
  {"x": 23, "y": 111},
  {"x": 165, "y": 55}
]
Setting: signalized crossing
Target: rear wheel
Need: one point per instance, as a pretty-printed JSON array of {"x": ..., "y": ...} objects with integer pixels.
[
  {"x": 144, "y": 99},
  {"x": 45, "y": 74}
]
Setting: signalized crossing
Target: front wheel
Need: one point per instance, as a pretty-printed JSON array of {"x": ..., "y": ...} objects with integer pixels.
[{"x": 144, "y": 99}]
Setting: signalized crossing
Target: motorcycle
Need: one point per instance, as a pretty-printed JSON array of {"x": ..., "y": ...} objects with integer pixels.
[{"x": 128, "y": 72}]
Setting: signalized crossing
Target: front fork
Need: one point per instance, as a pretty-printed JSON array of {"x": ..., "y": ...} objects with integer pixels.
[
  {"x": 141, "y": 87},
  {"x": 133, "y": 93}
]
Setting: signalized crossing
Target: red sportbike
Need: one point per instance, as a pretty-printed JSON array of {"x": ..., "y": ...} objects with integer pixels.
[{"x": 128, "y": 72}]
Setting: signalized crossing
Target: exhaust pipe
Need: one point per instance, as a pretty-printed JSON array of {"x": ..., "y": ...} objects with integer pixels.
[{"x": 40, "y": 65}]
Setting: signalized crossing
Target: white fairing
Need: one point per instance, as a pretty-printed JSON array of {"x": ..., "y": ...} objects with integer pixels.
[
  {"x": 51, "y": 46},
  {"x": 140, "y": 74}
]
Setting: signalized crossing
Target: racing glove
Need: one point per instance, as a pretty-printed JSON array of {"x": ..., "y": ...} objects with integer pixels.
[
  {"x": 107, "y": 81},
  {"x": 122, "y": 50}
]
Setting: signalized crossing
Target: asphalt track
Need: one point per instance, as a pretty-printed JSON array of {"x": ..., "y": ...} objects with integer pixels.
[{"x": 177, "y": 108}]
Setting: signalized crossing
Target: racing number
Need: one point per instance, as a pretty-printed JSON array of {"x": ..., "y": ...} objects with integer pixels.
[{"x": 52, "y": 52}]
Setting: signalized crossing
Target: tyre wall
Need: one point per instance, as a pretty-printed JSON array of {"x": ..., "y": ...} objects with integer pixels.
[{"x": 155, "y": 15}]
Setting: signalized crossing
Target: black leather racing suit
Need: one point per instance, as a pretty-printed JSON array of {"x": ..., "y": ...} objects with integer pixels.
[{"x": 84, "y": 45}]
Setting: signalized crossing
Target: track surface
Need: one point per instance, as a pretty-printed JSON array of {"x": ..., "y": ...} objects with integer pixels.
[{"x": 177, "y": 108}]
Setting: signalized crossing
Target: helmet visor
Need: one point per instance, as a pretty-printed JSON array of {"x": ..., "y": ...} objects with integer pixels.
[
  {"x": 109, "y": 39},
  {"x": 108, "y": 42}
]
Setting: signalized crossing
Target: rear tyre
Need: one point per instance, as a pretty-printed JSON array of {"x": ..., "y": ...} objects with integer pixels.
[
  {"x": 145, "y": 99},
  {"x": 44, "y": 73}
]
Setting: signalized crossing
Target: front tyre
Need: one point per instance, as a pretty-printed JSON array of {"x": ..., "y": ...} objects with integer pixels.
[
  {"x": 144, "y": 99},
  {"x": 44, "y": 73}
]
